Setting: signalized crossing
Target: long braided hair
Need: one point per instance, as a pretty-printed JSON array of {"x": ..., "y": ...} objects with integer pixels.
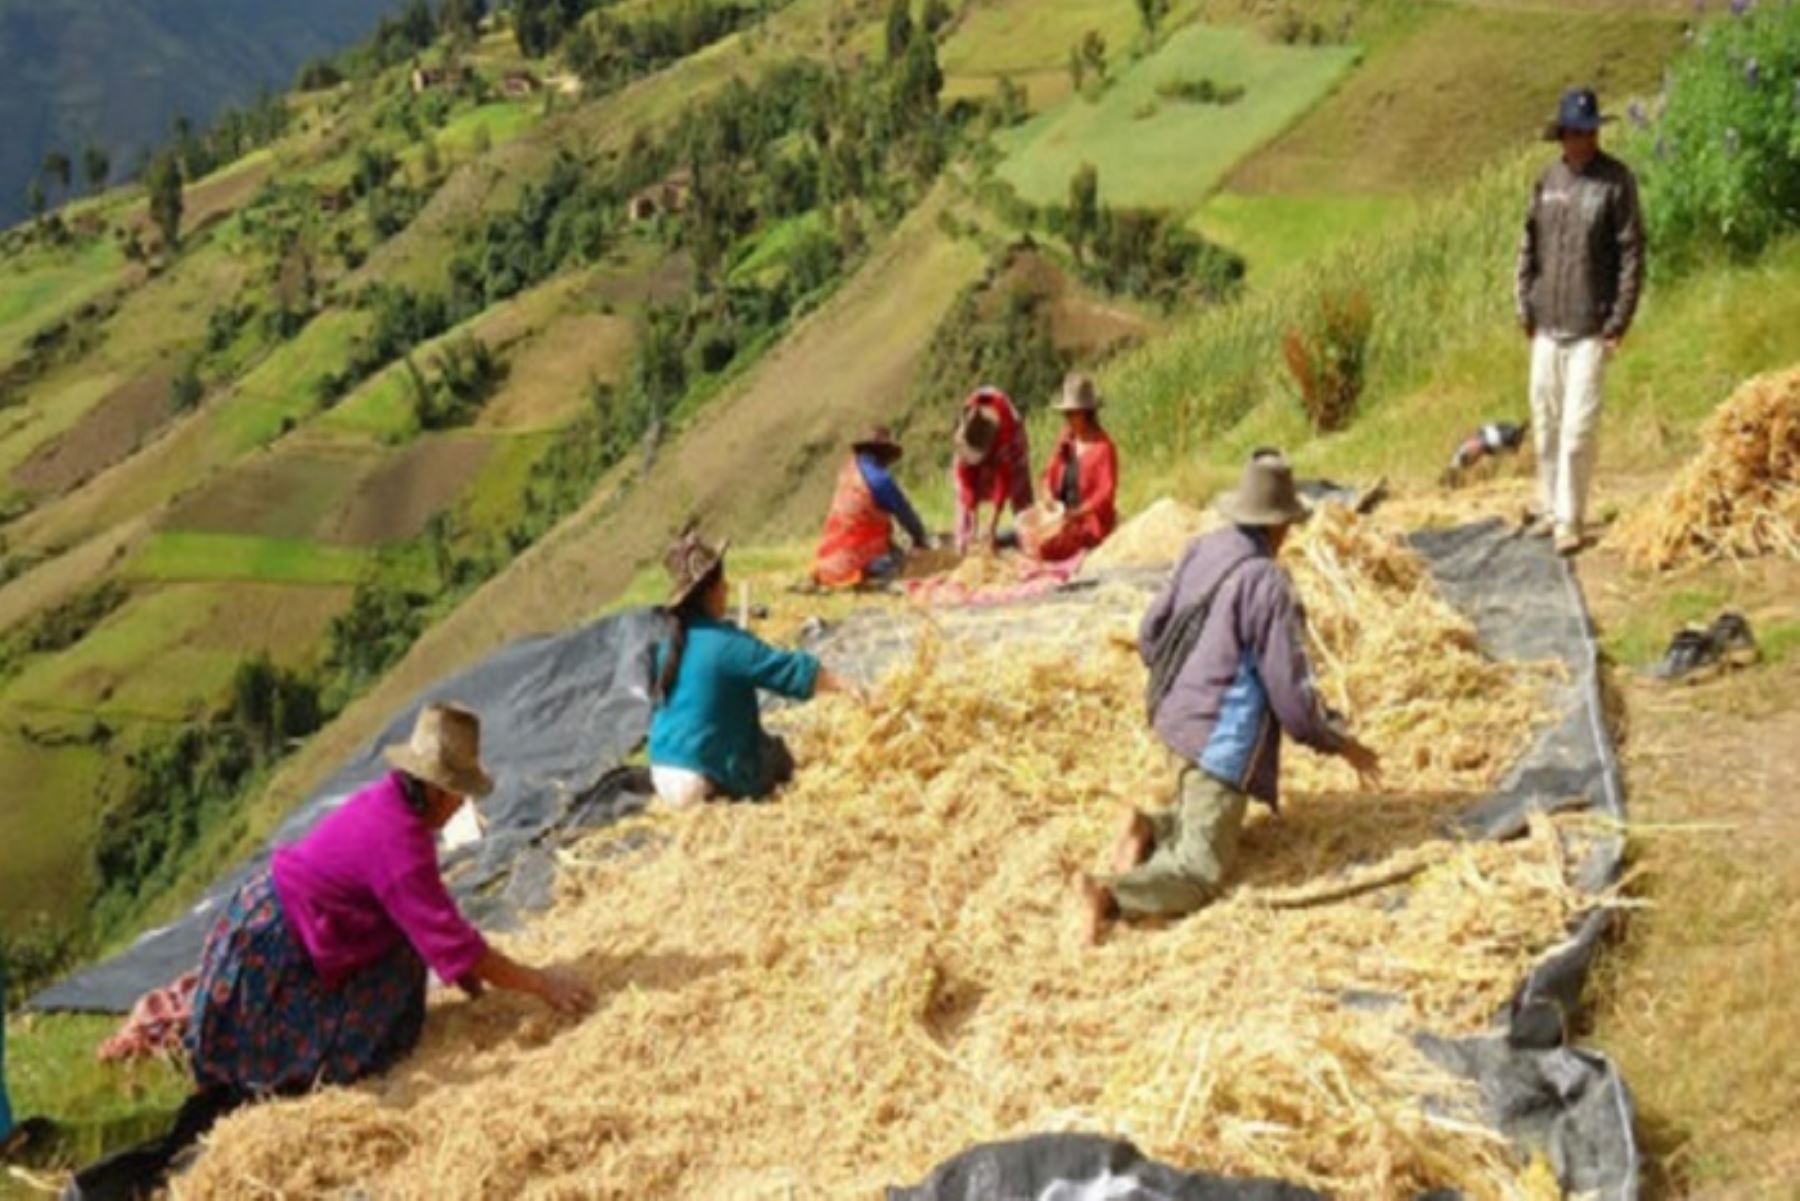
[{"x": 692, "y": 607}]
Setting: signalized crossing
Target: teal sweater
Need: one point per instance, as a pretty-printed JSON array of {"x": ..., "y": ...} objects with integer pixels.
[{"x": 709, "y": 723}]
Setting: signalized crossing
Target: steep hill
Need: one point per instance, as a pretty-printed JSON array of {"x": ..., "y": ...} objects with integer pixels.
[{"x": 116, "y": 73}]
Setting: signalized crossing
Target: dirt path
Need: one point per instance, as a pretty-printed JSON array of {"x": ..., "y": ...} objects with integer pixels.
[{"x": 1696, "y": 1004}]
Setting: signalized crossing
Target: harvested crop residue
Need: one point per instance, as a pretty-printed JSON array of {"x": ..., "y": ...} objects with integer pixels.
[{"x": 832, "y": 993}]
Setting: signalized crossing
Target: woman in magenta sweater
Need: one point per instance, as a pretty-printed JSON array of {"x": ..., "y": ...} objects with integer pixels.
[{"x": 315, "y": 974}]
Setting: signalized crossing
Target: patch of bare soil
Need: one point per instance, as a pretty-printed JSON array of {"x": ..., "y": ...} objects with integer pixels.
[
  {"x": 110, "y": 432},
  {"x": 397, "y": 499},
  {"x": 292, "y": 491},
  {"x": 1697, "y": 1003}
]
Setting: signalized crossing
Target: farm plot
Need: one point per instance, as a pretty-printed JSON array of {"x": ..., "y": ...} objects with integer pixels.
[{"x": 1163, "y": 152}]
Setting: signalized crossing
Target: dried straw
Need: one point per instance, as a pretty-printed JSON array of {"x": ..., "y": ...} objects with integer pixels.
[
  {"x": 1739, "y": 498},
  {"x": 818, "y": 997},
  {"x": 1153, "y": 538}
]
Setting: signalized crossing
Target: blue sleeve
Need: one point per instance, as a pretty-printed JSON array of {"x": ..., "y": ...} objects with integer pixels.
[
  {"x": 793, "y": 674},
  {"x": 890, "y": 497}
]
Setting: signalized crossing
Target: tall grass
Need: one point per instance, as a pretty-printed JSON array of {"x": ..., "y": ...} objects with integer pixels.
[{"x": 1437, "y": 283}]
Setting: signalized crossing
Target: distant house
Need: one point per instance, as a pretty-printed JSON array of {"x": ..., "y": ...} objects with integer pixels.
[
  {"x": 333, "y": 200},
  {"x": 519, "y": 85},
  {"x": 426, "y": 79},
  {"x": 667, "y": 196}
]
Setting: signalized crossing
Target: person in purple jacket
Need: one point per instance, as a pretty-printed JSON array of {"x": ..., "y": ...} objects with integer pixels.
[
  {"x": 315, "y": 973},
  {"x": 1237, "y": 682}
]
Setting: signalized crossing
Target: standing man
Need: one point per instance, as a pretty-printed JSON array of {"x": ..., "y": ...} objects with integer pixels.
[
  {"x": 1229, "y": 674},
  {"x": 1581, "y": 269}
]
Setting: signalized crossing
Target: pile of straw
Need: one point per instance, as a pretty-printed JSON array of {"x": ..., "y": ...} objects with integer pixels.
[
  {"x": 832, "y": 993},
  {"x": 1739, "y": 498},
  {"x": 1153, "y": 538}
]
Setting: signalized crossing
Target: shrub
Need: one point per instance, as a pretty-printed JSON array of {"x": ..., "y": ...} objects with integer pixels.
[
  {"x": 1327, "y": 360},
  {"x": 1724, "y": 155},
  {"x": 185, "y": 390},
  {"x": 1201, "y": 91}
]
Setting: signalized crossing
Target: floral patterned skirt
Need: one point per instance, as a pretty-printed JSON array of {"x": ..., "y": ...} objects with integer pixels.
[{"x": 264, "y": 1021}]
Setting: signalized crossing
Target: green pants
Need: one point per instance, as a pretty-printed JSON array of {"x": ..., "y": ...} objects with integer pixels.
[{"x": 1196, "y": 845}]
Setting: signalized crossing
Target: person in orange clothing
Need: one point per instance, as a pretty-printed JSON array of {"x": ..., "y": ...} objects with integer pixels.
[
  {"x": 857, "y": 546},
  {"x": 1081, "y": 483}
]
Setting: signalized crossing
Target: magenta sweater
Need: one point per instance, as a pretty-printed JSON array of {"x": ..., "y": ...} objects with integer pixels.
[{"x": 367, "y": 877}]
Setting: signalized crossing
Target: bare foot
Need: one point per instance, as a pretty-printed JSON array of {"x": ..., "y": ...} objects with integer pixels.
[
  {"x": 1135, "y": 840},
  {"x": 1096, "y": 907}
]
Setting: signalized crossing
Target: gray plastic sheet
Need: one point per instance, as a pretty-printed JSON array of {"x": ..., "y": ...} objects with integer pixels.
[{"x": 560, "y": 714}]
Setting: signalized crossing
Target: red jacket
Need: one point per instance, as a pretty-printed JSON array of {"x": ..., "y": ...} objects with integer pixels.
[
  {"x": 1005, "y": 475},
  {"x": 1097, "y": 477}
]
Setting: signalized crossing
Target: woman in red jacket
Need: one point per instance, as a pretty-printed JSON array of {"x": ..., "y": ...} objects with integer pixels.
[
  {"x": 993, "y": 464},
  {"x": 1081, "y": 482}
]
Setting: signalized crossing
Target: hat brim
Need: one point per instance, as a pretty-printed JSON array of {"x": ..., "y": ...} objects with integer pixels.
[
  {"x": 1554, "y": 131},
  {"x": 891, "y": 449},
  {"x": 1232, "y": 508},
  {"x": 475, "y": 784},
  {"x": 1059, "y": 405},
  {"x": 680, "y": 594}
]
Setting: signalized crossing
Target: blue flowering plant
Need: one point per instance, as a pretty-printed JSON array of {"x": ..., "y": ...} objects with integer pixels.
[{"x": 1720, "y": 161}]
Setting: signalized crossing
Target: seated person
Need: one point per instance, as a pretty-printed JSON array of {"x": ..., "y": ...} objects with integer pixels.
[
  {"x": 858, "y": 544},
  {"x": 706, "y": 735},
  {"x": 992, "y": 467},
  {"x": 1081, "y": 481}
]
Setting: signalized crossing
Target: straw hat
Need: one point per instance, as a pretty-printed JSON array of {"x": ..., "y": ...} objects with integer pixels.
[
  {"x": 975, "y": 435},
  {"x": 1266, "y": 495},
  {"x": 880, "y": 441},
  {"x": 1079, "y": 395},
  {"x": 690, "y": 564},
  {"x": 445, "y": 749}
]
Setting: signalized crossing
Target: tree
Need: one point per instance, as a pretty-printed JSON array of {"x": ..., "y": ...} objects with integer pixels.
[
  {"x": 58, "y": 169},
  {"x": 1084, "y": 208},
  {"x": 937, "y": 15},
  {"x": 1093, "y": 52},
  {"x": 1152, "y": 12},
  {"x": 899, "y": 29},
  {"x": 186, "y": 389},
  {"x": 1077, "y": 68},
  {"x": 34, "y": 196},
  {"x": 163, "y": 182},
  {"x": 462, "y": 18},
  {"x": 97, "y": 167}
]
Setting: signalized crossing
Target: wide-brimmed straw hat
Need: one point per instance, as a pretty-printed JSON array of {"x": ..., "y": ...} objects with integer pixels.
[
  {"x": 691, "y": 563},
  {"x": 878, "y": 441},
  {"x": 1579, "y": 111},
  {"x": 1079, "y": 395},
  {"x": 1266, "y": 495},
  {"x": 445, "y": 749},
  {"x": 975, "y": 435}
]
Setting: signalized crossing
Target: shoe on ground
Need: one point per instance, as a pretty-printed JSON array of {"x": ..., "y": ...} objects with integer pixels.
[
  {"x": 1692, "y": 655},
  {"x": 1732, "y": 640},
  {"x": 1539, "y": 526},
  {"x": 1568, "y": 545}
]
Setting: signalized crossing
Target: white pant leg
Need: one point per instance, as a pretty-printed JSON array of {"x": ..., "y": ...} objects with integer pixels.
[
  {"x": 1584, "y": 374},
  {"x": 1546, "y": 416},
  {"x": 679, "y": 788}
]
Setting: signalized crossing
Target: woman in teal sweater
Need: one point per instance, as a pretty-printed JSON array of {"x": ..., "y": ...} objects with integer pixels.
[{"x": 706, "y": 735}]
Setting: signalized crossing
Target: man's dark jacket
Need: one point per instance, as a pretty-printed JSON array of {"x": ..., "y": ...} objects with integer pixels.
[{"x": 1581, "y": 259}]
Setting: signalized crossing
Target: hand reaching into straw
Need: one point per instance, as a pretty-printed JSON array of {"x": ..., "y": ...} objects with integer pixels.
[
  {"x": 1366, "y": 763},
  {"x": 830, "y": 681}
]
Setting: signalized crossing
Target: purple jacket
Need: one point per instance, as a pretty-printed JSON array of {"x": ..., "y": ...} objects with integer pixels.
[{"x": 1248, "y": 678}]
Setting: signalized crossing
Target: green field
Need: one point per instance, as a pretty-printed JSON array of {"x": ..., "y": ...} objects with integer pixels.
[
  {"x": 1154, "y": 151},
  {"x": 38, "y": 287},
  {"x": 186, "y": 555},
  {"x": 502, "y": 120},
  {"x": 284, "y": 387},
  {"x": 1029, "y": 42},
  {"x": 44, "y": 836},
  {"x": 1278, "y": 232}
]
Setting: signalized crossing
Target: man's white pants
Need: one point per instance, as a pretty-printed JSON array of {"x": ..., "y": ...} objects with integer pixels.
[{"x": 1566, "y": 378}]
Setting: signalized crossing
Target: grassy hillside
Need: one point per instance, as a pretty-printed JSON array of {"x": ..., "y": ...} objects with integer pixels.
[{"x": 116, "y": 73}]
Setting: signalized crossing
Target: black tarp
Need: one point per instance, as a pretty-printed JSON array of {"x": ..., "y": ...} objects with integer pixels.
[
  {"x": 1546, "y": 1095},
  {"x": 559, "y": 716}
]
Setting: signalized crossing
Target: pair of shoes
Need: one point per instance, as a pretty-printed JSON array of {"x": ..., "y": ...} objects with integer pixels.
[{"x": 1697, "y": 653}]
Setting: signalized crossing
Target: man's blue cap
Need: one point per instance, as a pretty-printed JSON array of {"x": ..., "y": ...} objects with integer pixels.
[{"x": 1578, "y": 112}]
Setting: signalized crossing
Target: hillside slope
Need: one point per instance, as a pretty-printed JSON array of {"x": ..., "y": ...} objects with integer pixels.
[{"x": 116, "y": 73}]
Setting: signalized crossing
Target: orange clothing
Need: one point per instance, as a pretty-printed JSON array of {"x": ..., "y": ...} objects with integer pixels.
[{"x": 858, "y": 531}]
